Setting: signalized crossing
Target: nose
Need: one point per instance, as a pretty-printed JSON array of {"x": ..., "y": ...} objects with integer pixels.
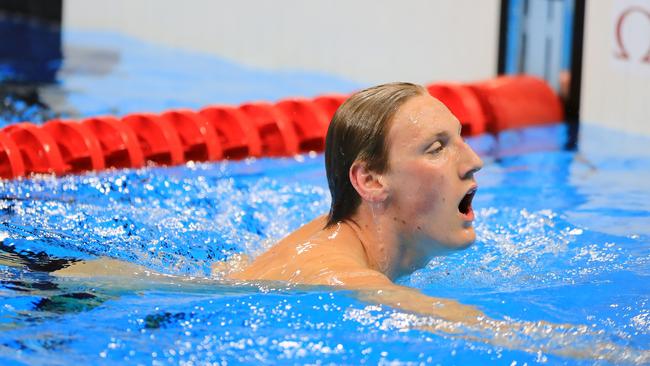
[{"x": 470, "y": 162}]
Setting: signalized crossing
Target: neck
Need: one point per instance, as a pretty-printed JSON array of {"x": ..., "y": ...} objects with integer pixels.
[{"x": 387, "y": 249}]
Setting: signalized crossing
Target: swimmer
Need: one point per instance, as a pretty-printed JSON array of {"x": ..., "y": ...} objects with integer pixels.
[{"x": 402, "y": 181}]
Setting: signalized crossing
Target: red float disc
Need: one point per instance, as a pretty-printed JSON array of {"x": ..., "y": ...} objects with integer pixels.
[
  {"x": 518, "y": 101},
  {"x": 119, "y": 143},
  {"x": 309, "y": 121},
  {"x": 329, "y": 103},
  {"x": 11, "y": 161},
  {"x": 79, "y": 148},
  {"x": 199, "y": 140},
  {"x": 39, "y": 151},
  {"x": 237, "y": 133},
  {"x": 277, "y": 134},
  {"x": 158, "y": 138}
]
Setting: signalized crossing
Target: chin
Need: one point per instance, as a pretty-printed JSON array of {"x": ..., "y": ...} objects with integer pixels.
[
  {"x": 465, "y": 242},
  {"x": 465, "y": 245}
]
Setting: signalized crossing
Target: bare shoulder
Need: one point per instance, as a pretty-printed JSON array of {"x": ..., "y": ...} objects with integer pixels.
[
  {"x": 273, "y": 262},
  {"x": 313, "y": 254},
  {"x": 306, "y": 231}
]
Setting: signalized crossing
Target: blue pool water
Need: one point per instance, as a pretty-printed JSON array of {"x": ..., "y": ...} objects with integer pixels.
[{"x": 563, "y": 237}]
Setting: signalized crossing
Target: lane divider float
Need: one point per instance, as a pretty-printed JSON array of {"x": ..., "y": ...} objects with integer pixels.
[
  {"x": 259, "y": 129},
  {"x": 237, "y": 134},
  {"x": 118, "y": 142}
]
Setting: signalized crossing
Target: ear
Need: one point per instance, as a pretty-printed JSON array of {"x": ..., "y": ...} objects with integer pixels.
[{"x": 368, "y": 184}]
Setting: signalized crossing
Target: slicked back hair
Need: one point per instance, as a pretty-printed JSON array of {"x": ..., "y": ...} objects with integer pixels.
[{"x": 358, "y": 131}]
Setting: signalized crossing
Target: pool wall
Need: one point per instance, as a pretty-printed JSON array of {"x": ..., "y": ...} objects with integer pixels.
[
  {"x": 366, "y": 41},
  {"x": 616, "y": 65}
]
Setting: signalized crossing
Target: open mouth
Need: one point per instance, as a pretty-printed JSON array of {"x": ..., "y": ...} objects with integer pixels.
[{"x": 465, "y": 205}]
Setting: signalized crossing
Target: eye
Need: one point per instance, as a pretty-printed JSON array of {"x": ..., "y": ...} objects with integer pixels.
[{"x": 435, "y": 148}]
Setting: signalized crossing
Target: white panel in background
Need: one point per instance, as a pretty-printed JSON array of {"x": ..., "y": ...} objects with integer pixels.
[
  {"x": 616, "y": 77},
  {"x": 630, "y": 38},
  {"x": 368, "y": 41}
]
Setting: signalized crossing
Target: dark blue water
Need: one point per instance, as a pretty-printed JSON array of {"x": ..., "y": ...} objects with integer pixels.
[{"x": 563, "y": 237}]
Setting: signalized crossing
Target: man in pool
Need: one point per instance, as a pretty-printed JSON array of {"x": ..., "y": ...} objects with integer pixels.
[{"x": 402, "y": 182}]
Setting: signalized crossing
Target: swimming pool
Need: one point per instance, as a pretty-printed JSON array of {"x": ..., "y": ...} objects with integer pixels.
[{"x": 563, "y": 237}]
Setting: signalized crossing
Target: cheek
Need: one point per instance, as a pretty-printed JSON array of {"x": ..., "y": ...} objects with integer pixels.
[
  {"x": 418, "y": 190},
  {"x": 432, "y": 198}
]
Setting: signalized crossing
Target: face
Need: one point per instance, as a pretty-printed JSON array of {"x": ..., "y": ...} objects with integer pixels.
[{"x": 430, "y": 177}]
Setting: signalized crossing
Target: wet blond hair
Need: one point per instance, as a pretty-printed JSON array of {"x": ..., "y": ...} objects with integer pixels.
[{"x": 358, "y": 131}]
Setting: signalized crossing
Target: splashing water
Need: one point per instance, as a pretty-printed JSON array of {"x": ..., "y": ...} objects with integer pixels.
[
  {"x": 531, "y": 263},
  {"x": 171, "y": 223}
]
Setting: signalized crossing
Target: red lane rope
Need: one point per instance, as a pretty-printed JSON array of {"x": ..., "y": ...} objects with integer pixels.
[{"x": 288, "y": 127}]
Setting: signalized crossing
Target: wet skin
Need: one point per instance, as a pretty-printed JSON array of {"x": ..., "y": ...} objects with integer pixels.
[{"x": 408, "y": 213}]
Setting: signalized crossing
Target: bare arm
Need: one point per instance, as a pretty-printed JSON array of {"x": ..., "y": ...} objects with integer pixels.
[
  {"x": 103, "y": 266},
  {"x": 560, "y": 339},
  {"x": 375, "y": 287}
]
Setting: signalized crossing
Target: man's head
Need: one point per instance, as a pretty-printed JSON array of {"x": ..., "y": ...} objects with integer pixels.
[
  {"x": 399, "y": 151},
  {"x": 358, "y": 132}
]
